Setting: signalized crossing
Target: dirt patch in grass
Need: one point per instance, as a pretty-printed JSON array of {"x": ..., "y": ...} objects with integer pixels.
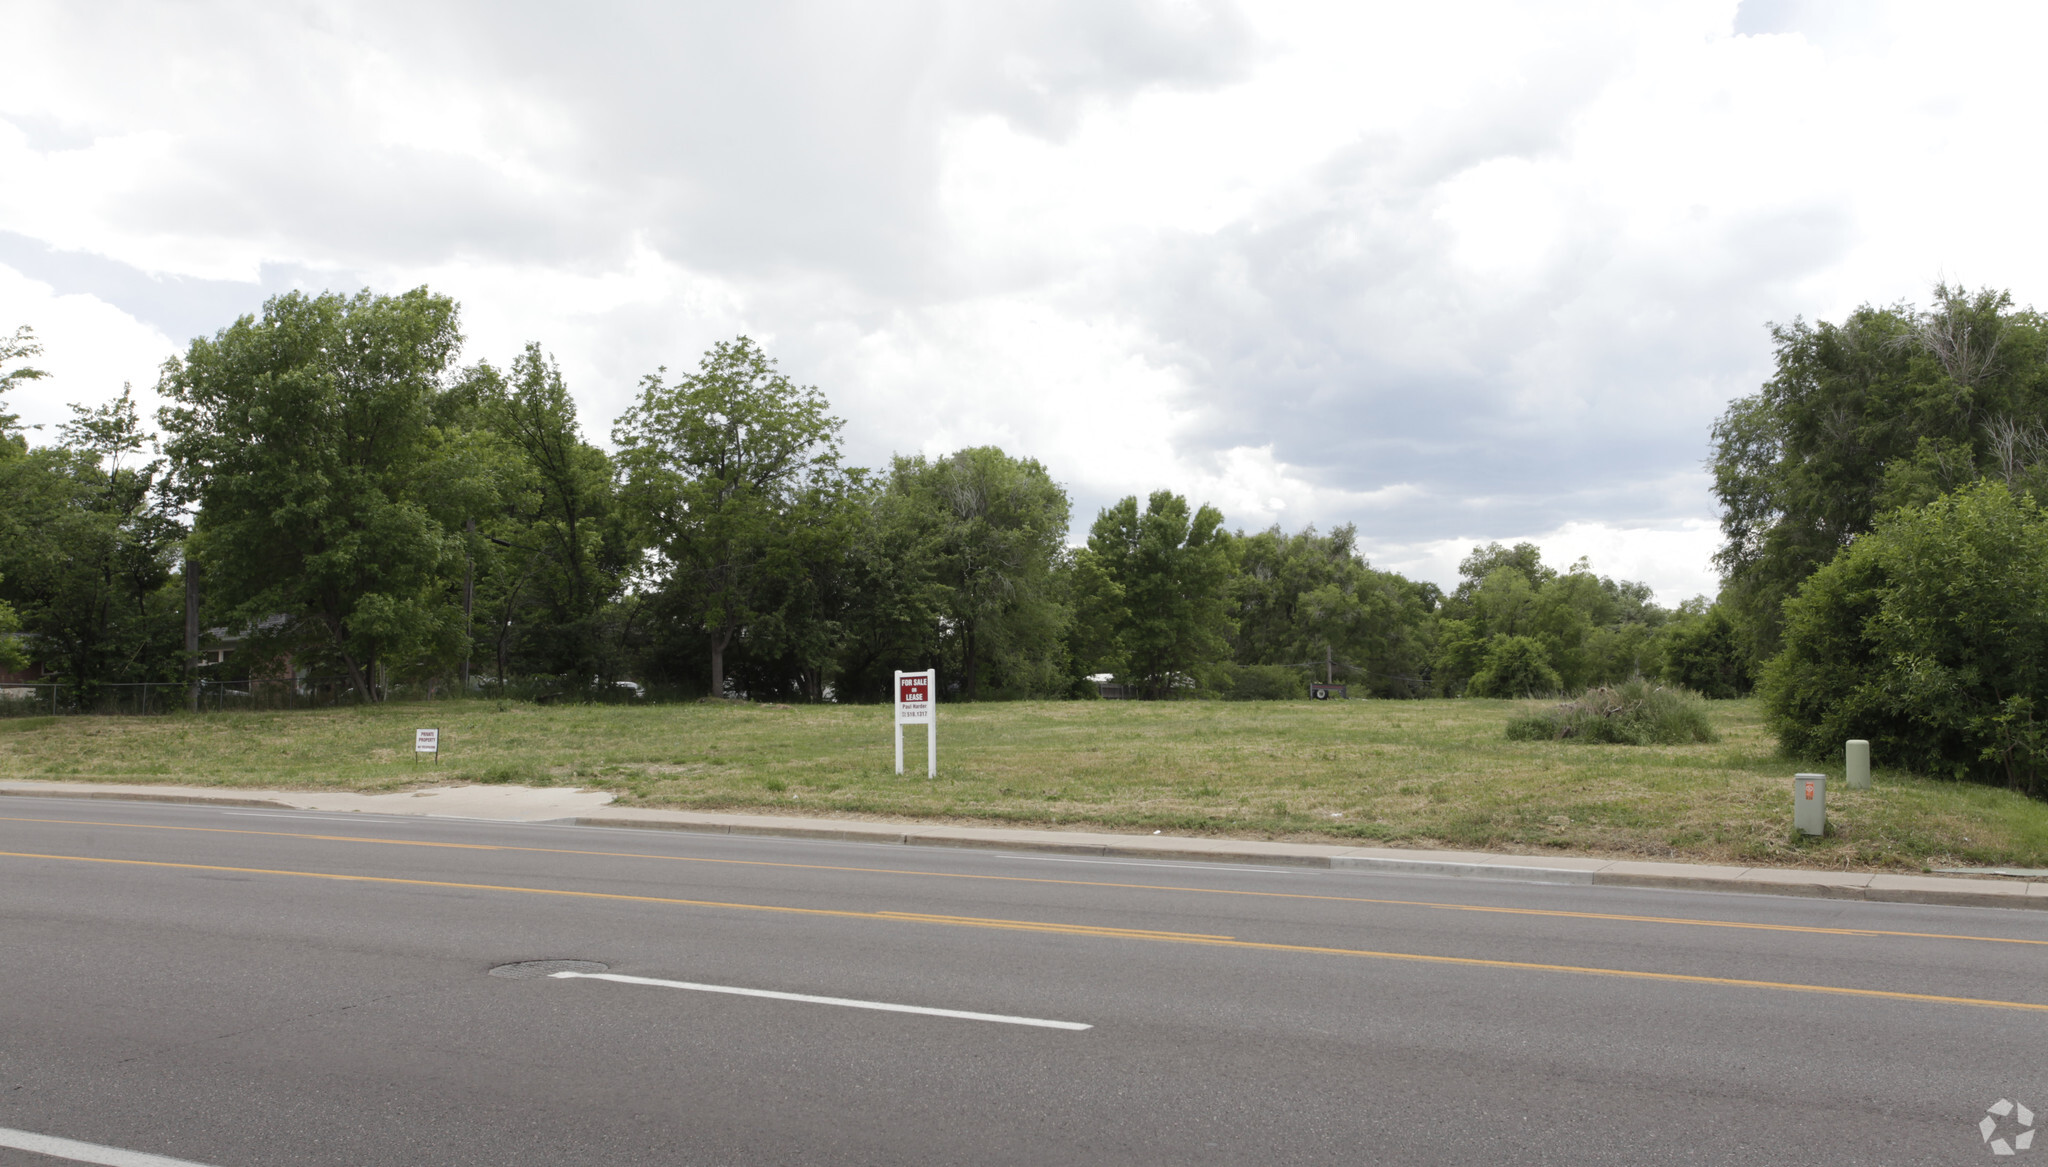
[{"x": 1421, "y": 773}]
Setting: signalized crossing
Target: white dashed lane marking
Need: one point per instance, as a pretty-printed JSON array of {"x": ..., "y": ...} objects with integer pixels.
[
  {"x": 843, "y": 1002},
  {"x": 78, "y": 1152}
]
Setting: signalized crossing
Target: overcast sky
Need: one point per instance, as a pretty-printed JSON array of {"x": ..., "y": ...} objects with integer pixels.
[{"x": 1452, "y": 272}]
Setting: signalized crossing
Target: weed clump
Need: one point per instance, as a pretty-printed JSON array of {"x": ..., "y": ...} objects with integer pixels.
[
  {"x": 502, "y": 773},
  {"x": 1633, "y": 713}
]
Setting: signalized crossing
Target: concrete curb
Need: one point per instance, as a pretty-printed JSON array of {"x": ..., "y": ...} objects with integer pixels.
[
  {"x": 1468, "y": 870},
  {"x": 1951, "y": 891},
  {"x": 130, "y": 796},
  {"x": 1930, "y": 890}
]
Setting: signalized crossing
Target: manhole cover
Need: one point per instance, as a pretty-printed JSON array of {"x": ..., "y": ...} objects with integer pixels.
[{"x": 528, "y": 969}]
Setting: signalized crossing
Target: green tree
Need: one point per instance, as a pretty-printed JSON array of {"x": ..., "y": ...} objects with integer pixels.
[
  {"x": 552, "y": 557},
  {"x": 1171, "y": 569},
  {"x": 1098, "y": 618},
  {"x": 1590, "y": 629},
  {"x": 989, "y": 528},
  {"x": 1516, "y": 666},
  {"x": 1309, "y": 600},
  {"x": 22, "y": 346},
  {"x": 1891, "y": 407},
  {"x": 327, "y": 494},
  {"x": 1523, "y": 559},
  {"x": 1928, "y": 637},
  {"x": 87, "y": 552},
  {"x": 12, "y": 654},
  {"x": 734, "y": 472},
  {"x": 893, "y": 600}
]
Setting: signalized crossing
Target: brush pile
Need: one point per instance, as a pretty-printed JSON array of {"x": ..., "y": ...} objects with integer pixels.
[{"x": 1633, "y": 713}]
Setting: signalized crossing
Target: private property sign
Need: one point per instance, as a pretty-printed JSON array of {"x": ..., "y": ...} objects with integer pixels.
[
  {"x": 427, "y": 741},
  {"x": 916, "y": 703}
]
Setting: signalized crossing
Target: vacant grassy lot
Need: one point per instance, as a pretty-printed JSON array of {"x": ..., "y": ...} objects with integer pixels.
[{"x": 1418, "y": 773}]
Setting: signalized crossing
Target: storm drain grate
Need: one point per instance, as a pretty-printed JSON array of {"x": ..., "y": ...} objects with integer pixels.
[{"x": 528, "y": 969}]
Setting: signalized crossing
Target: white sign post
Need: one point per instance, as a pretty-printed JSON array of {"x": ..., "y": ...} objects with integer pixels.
[
  {"x": 917, "y": 701},
  {"x": 427, "y": 741}
]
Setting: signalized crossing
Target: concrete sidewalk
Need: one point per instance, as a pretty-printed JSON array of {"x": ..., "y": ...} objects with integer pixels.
[{"x": 568, "y": 805}]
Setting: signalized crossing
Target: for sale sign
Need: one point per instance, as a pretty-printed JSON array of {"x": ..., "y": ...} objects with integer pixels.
[{"x": 913, "y": 697}]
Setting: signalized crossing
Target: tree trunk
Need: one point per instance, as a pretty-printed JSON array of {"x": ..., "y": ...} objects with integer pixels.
[
  {"x": 355, "y": 671},
  {"x": 719, "y": 640},
  {"x": 504, "y": 647},
  {"x": 357, "y": 679},
  {"x": 970, "y": 664}
]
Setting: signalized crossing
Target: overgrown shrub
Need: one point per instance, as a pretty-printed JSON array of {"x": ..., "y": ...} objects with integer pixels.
[
  {"x": 1633, "y": 713},
  {"x": 1928, "y": 637}
]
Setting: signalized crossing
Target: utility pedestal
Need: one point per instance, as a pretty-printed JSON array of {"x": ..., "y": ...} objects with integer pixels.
[{"x": 1810, "y": 803}]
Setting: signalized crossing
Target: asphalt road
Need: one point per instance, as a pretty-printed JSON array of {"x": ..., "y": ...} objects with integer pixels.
[{"x": 242, "y": 988}]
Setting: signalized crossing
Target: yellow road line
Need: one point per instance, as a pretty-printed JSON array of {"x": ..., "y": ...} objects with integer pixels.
[
  {"x": 987, "y": 922},
  {"x": 1075, "y": 930},
  {"x": 1810, "y": 929}
]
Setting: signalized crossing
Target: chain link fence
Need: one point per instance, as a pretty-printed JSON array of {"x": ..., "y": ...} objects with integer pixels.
[{"x": 147, "y": 698}]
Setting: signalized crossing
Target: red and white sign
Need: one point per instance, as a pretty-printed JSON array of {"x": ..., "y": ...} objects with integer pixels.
[
  {"x": 914, "y": 706},
  {"x": 913, "y": 698},
  {"x": 1809, "y": 790}
]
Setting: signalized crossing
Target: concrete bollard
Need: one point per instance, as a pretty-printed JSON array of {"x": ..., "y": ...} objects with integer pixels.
[
  {"x": 1859, "y": 764},
  {"x": 1810, "y": 803}
]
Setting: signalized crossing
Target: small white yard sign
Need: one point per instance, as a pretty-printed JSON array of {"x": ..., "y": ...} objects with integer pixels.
[
  {"x": 917, "y": 701},
  {"x": 427, "y": 741}
]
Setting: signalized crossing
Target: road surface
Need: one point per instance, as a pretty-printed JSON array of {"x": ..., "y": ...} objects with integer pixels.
[{"x": 248, "y": 988}]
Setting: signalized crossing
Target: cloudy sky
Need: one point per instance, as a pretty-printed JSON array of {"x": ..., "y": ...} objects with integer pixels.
[{"x": 1452, "y": 272}]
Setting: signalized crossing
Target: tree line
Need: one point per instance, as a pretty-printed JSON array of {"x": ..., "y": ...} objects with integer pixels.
[
  {"x": 334, "y": 487},
  {"x": 329, "y": 484}
]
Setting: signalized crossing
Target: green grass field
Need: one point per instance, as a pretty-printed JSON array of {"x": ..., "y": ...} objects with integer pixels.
[{"x": 1420, "y": 773}]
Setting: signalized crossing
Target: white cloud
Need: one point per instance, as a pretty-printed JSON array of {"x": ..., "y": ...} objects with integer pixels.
[
  {"x": 90, "y": 349},
  {"x": 1455, "y": 273}
]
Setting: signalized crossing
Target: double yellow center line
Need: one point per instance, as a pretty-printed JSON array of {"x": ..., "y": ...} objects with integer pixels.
[{"x": 1066, "y": 929}]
